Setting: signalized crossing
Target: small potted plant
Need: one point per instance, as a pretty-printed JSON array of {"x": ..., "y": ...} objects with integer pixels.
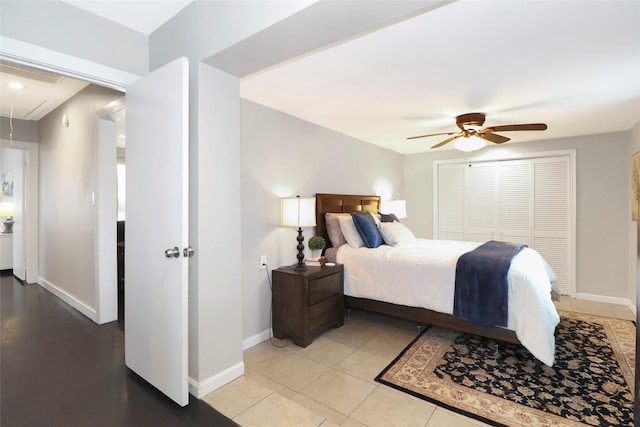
[{"x": 317, "y": 245}]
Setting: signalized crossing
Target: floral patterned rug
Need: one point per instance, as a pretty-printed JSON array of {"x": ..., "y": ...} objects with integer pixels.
[{"x": 590, "y": 383}]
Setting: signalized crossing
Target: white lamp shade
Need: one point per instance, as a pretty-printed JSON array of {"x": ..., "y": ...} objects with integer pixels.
[
  {"x": 6, "y": 208},
  {"x": 471, "y": 143},
  {"x": 396, "y": 207},
  {"x": 298, "y": 212}
]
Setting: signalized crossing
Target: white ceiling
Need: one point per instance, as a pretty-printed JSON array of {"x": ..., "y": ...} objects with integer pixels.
[
  {"x": 42, "y": 91},
  {"x": 574, "y": 65}
]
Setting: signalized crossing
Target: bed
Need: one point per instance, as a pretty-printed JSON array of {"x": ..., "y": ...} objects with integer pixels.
[{"x": 368, "y": 272}]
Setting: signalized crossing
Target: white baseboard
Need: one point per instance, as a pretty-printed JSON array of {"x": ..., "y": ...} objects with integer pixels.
[
  {"x": 198, "y": 389},
  {"x": 202, "y": 388},
  {"x": 69, "y": 299},
  {"x": 610, "y": 300},
  {"x": 256, "y": 339}
]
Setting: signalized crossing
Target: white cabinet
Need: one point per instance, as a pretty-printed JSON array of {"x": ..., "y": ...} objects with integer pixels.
[
  {"x": 6, "y": 251},
  {"x": 526, "y": 201}
]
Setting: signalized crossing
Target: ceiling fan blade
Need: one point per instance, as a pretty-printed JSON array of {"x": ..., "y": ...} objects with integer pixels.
[
  {"x": 431, "y": 134},
  {"x": 505, "y": 128},
  {"x": 494, "y": 137},
  {"x": 446, "y": 141}
]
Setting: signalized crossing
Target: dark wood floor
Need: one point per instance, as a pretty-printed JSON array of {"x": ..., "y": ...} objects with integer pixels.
[{"x": 58, "y": 368}]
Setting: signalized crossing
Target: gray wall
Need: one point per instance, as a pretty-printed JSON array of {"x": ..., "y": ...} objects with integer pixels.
[
  {"x": 215, "y": 325},
  {"x": 23, "y": 130},
  {"x": 283, "y": 156},
  {"x": 602, "y": 204},
  {"x": 61, "y": 27},
  {"x": 67, "y": 178}
]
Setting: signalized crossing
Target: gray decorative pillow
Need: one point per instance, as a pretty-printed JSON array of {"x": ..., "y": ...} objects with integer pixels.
[
  {"x": 333, "y": 228},
  {"x": 388, "y": 218}
]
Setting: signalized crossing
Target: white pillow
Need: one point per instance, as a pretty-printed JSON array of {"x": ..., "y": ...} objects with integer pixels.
[
  {"x": 396, "y": 233},
  {"x": 350, "y": 232}
]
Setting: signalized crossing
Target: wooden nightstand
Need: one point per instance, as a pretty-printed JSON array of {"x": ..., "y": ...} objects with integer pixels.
[{"x": 306, "y": 303}]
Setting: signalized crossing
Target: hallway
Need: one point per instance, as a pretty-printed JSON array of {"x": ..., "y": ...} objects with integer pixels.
[{"x": 59, "y": 368}]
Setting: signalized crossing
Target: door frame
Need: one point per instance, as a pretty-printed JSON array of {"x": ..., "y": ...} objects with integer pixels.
[
  {"x": 29, "y": 203},
  {"x": 98, "y": 74},
  {"x": 64, "y": 64},
  {"x": 105, "y": 220}
]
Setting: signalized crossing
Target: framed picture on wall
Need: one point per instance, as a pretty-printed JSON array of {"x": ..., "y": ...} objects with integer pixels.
[
  {"x": 635, "y": 186},
  {"x": 7, "y": 184}
]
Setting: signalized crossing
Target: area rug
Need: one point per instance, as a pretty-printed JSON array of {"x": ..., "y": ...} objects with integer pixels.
[{"x": 502, "y": 384}]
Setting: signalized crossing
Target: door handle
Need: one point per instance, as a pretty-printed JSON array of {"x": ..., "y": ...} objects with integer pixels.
[
  {"x": 188, "y": 252},
  {"x": 172, "y": 252}
]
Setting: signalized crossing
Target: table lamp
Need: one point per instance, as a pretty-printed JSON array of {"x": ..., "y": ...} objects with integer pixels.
[
  {"x": 298, "y": 212},
  {"x": 6, "y": 209},
  {"x": 396, "y": 207}
]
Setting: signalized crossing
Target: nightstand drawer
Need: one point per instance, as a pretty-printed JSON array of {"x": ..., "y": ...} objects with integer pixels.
[
  {"x": 307, "y": 302},
  {"x": 325, "y": 313},
  {"x": 324, "y": 287}
]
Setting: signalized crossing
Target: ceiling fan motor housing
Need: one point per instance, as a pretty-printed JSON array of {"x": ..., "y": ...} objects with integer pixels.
[{"x": 470, "y": 119}]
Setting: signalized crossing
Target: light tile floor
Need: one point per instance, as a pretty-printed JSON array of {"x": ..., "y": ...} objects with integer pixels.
[{"x": 331, "y": 382}]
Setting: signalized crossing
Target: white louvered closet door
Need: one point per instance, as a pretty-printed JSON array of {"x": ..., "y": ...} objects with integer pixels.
[
  {"x": 451, "y": 204},
  {"x": 515, "y": 202},
  {"x": 481, "y": 202},
  {"x": 552, "y": 216},
  {"x": 527, "y": 201}
]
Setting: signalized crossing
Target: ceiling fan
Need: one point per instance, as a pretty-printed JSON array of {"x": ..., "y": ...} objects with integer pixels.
[{"x": 471, "y": 126}]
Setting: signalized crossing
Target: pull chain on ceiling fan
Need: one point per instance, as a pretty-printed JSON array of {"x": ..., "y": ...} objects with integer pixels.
[{"x": 471, "y": 129}]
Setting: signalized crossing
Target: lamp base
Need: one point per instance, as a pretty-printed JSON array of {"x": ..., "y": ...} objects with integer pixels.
[
  {"x": 300, "y": 247},
  {"x": 8, "y": 226}
]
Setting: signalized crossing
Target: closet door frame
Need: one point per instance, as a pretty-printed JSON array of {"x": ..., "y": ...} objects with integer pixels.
[{"x": 571, "y": 154}]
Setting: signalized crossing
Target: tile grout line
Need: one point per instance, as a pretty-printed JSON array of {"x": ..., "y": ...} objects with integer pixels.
[
  {"x": 334, "y": 367},
  {"x": 254, "y": 404},
  {"x": 376, "y": 385}
]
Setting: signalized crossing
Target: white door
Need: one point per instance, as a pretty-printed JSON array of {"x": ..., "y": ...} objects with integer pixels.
[
  {"x": 515, "y": 204},
  {"x": 19, "y": 268},
  {"x": 553, "y": 216},
  {"x": 450, "y": 224},
  {"x": 156, "y": 283},
  {"x": 481, "y": 202}
]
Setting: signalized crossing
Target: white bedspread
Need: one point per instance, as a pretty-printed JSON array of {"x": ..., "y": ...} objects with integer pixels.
[{"x": 422, "y": 274}]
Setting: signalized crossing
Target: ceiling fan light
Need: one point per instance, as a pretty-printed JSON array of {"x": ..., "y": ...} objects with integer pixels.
[{"x": 471, "y": 143}]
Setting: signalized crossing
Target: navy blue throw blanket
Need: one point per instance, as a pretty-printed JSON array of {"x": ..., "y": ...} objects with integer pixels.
[{"x": 482, "y": 289}]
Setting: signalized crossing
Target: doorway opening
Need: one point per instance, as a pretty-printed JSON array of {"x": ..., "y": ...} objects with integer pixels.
[{"x": 66, "y": 249}]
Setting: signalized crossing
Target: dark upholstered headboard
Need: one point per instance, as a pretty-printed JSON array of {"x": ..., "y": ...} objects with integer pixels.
[{"x": 341, "y": 203}]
